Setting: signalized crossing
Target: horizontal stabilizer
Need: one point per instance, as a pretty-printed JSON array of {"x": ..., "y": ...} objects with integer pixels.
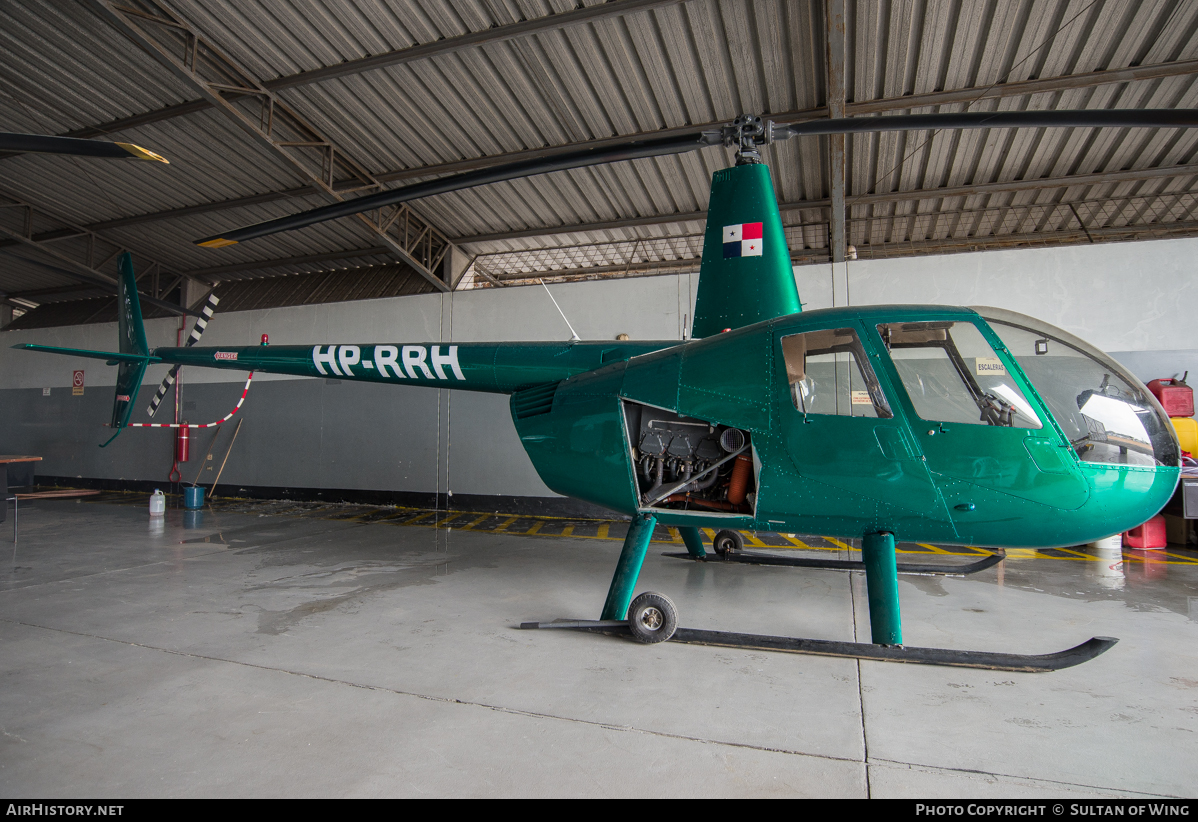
[{"x": 113, "y": 356}]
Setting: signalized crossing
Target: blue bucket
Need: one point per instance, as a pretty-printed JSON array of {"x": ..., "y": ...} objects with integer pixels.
[{"x": 193, "y": 497}]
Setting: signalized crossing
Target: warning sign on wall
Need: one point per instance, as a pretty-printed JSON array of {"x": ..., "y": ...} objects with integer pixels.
[{"x": 77, "y": 383}]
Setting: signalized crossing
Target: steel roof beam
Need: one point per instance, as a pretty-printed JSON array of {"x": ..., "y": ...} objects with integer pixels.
[
  {"x": 286, "y": 261},
  {"x": 834, "y": 65},
  {"x": 422, "y": 51},
  {"x": 294, "y": 141},
  {"x": 1075, "y": 236},
  {"x": 1021, "y": 88},
  {"x": 878, "y": 251},
  {"x": 53, "y": 292},
  {"x": 84, "y": 266},
  {"x": 92, "y": 277}
]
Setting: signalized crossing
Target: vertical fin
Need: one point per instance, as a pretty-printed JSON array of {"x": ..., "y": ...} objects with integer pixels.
[
  {"x": 746, "y": 275},
  {"x": 129, "y": 325},
  {"x": 132, "y": 333}
]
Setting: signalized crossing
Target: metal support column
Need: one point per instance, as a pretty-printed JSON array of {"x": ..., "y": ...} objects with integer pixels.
[
  {"x": 834, "y": 33},
  {"x": 881, "y": 579},
  {"x": 628, "y": 569},
  {"x": 694, "y": 542}
]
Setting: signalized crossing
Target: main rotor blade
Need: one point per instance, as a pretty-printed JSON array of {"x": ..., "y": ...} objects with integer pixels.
[
  {"x": 631, "y": 150},
  {"x": 1069, "y": 118},
  {"x": 43, "y": 144}
]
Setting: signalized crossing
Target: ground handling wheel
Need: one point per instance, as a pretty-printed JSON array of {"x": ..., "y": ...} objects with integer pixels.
[
  {"x": 652, "y": 617},
  {"x": 728, "y": 542}
]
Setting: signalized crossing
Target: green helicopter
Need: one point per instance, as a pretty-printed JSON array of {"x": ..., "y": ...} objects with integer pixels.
[{"x": 919, "y": 423}]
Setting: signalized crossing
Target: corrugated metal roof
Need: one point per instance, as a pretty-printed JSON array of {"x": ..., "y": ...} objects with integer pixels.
[{"x": 670, "y": 66}]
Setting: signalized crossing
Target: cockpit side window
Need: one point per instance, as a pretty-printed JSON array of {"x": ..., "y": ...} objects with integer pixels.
[
  {"x": 953, "y": 375},
  {"x": 829, "y": 373}
]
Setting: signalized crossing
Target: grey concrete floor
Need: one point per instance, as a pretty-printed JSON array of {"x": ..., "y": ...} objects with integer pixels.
[{"x": 280, "y": 656}]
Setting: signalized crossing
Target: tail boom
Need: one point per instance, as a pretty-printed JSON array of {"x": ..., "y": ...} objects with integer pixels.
[{"x": 498, "y": 368}]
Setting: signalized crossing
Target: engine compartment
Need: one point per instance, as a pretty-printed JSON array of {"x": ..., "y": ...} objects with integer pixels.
[{"x": 683, "y": 463}]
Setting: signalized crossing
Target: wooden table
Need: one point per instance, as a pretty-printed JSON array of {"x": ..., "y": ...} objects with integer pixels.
[{"x": 18, "y": 469}]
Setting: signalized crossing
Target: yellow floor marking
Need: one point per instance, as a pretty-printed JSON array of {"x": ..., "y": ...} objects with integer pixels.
[
  {"x": 421, "y": 520},
  {"x": 475, "y": 522},
  {"x": 503, "y": 525},
  {"x": 1076, "y": 553},
  {"x": 675, "y": 535}
]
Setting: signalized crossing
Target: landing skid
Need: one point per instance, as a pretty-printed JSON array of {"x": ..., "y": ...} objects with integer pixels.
[
  {"x": 748, "y": 558},
  {"x": 1027, "y": 663}
]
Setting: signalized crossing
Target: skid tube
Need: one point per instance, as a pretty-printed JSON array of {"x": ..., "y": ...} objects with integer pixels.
[
  {"x": 988, "y": 660},
  {"x": 921, "y": 568}
]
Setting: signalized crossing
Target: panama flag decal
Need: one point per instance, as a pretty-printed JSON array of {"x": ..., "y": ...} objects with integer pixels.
[{"x": 742, "y": 240}]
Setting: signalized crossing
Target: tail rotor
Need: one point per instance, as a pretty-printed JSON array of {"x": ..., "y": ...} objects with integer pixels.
[{"x": 197, "y": 331}]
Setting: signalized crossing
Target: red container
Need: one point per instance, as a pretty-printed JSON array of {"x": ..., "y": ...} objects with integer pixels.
[
  {"x": 1174, "y": 395},
  {"x": 1147, "y": 536}
]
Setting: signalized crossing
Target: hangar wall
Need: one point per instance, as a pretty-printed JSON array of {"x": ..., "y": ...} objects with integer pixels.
[
  {"x": 1130, "y": 299},
  {"x": 1133, "y": 300},
  {"x": 329, "y": 434}
]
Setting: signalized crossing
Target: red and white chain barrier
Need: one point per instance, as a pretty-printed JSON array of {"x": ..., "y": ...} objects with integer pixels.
[{"x": 192, "y": 425}]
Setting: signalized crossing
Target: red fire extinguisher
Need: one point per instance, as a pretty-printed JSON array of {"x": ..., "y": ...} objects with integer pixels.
[{"x": 183, "y": 443}]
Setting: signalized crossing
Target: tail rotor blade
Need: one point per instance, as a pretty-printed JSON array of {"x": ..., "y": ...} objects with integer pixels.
[
  {"x": 201, "y": 325},
  {"x": 197, "y": 331},
  {"x": 160, "y": 394}
]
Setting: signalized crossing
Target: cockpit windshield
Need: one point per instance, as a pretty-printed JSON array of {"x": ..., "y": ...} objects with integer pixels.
[{"x": 1107, "y": 414}]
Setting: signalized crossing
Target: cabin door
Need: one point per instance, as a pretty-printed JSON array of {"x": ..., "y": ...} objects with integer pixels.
[
  {"x": 972, "y": 418},
  {"x": 841, "y": 432}
]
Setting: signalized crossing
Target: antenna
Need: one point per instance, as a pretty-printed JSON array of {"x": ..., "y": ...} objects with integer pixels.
[{"x": 573, "y": 334}]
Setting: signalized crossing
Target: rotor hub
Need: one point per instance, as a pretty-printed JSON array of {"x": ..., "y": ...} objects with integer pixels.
[{"x": 747, "y": 133}]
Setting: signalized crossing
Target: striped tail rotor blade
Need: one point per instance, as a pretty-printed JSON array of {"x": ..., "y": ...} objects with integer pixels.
[
  {"x": 160, "y": 395},
  {"x": 197, "y": 331},
  {"x": 207, "y": 311}
]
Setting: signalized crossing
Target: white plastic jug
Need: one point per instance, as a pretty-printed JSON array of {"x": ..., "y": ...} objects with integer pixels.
[{"x": 157, "y": 503}]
